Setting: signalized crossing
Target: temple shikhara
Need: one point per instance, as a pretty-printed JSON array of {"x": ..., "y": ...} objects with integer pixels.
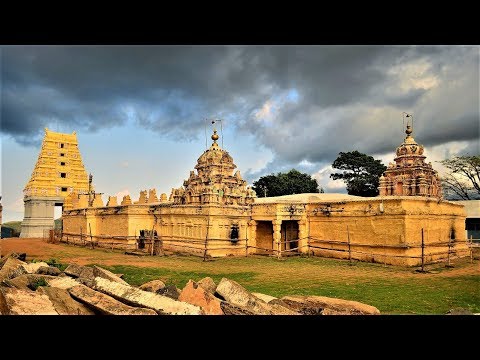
[
  {"x": 58, "y": 172},
  {"x": 409, "y": 174},
  {"x": 214, "y": 213},
  {"x": 215, "y": 181}
]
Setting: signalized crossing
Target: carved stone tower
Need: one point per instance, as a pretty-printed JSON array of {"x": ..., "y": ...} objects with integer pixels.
[
  {"x": 214, "y": 182},
  {"x": 59, "y": 171},
  {"x": 410, "y": 175}
]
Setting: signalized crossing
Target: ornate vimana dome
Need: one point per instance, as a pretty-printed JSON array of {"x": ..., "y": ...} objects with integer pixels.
[
  {"x": 409, "y": 175},
  {"x": 214, "y": 181}
]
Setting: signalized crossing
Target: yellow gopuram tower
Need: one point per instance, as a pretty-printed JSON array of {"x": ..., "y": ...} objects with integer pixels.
[{"x": 58, "y": 172}]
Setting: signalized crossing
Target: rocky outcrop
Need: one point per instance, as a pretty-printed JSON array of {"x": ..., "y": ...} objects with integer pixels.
[
  {"x": 28, "y": 281},
  {"x": 78, "y": 271},
  {"x": 49, "y": 270},
  {"x": 237, "y": 295},
  {"x": 85, "y": 290},
  {"x": 32, "y": 268},
  {"x": 194, "y": 294},
  {"x": 264, "y": 297},
  {"x": 282, "y": 310},
  {"x": 105, "y": 304},
  {"x": 85, "y": 274},
  {"x": 153, "y": 286},
  {"x": 459, "y": 311},
  {"x": 104, "y": 273},
  {"x": 12, "y": 268},
  {"x": 63, "y": 303},
  {"x": 12, "y": 255},
  {"x": 137, "y": 297},
  {"x": 208, "y": 284},
  {"x": 170, "y": 291},
  {"x": 229, "y": 309},
  {"x": 24, "y": 302},
  {"x": 314, "y": 305},
  {"x": 63, "y": 282}
]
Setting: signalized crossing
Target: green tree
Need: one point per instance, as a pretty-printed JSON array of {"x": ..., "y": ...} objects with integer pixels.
[
  {"x": 463, "y": 178},
  {"x": 362, "y": 172},
  {"x": 292, "y": 182}
]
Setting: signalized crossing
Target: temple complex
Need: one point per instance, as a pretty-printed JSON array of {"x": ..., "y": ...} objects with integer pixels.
[
  {"x": 214, "y": 213},
  {"x": 58, "y": 172},
  {"x": 409, "y": 175}
]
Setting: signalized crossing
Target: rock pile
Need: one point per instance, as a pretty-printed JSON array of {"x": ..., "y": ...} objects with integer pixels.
[{"x": 40, "y": 289}]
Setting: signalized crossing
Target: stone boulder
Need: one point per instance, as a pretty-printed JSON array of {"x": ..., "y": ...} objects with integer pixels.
[
  {"x": 104, "y": 273},
  {"x": 86, "y": 274},
  {"x": 63, "y": 282},
  {"x": 229, "y": 309},
  {"x": 237, "y": 295},
  {"x": 278, "y": 309},
  {"x": 208, "y": 284},
  {"x": 105, "y": 304},
  {"x": 264, "y": 297},
  {"x": 22, "y": 302},
  {"x": 459, "y": 311},
  {"x": 170, "y": 291},
  {"x": 63, "y": 303},
  {"x": 12, "y": 268},
  {"x": 49, "y": 270},
  {"x": 322, "y": 305},
  {"x": 11, "y": 255},
  {"x": 136, "y": 297},
  {"x": 78, "y": 271},
  {"x": 28, "y": 281},
  {"x": 33, "y": 267},
  {"x": 153, "y": 286},
  {"x": 194, "y": 294}
]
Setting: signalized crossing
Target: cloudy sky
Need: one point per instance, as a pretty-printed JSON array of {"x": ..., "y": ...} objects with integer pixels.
[{"x": 139, "y": 111}]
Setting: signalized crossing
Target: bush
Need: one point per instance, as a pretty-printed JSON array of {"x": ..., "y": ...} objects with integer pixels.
[
  {"x": 40, "y": 282},
  {"x": 53, "y": 262}
]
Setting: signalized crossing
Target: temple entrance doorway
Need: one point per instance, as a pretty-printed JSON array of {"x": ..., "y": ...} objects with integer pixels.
[
  {"x": 264, "y": 236},
  {"x": 290, "y": 235}
]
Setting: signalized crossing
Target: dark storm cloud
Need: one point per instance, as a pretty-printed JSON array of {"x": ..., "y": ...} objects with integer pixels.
[{"x": 346, "y": 97}]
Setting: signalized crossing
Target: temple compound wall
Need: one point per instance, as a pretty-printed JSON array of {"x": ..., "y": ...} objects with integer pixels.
[{"x": 215, "y": 214}]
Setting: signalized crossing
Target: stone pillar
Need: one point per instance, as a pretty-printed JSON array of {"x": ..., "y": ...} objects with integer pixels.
[
  {"x": 423, "y": 186},
  {"x": 413, "y": 187},
  {"x": 390, "y": 188},
  {"x": 382, "y": 188},
  {"x": 406, "y": 187},
  {"x": 252, "y": 235},
  {"x": 277, "y": 235},
  {"x": 302, "y": 235}
]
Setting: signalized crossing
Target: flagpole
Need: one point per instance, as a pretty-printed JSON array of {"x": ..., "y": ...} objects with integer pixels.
[{"x": 206, "y": 134}]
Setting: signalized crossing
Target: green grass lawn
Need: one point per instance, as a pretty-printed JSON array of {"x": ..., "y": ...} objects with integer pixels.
[{"x": 392, "y": 290}]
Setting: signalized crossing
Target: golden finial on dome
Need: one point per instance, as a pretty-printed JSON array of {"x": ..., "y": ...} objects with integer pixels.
[
  {"x": 409, "y": 130},
  {"x": 215, "y": 136}
]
